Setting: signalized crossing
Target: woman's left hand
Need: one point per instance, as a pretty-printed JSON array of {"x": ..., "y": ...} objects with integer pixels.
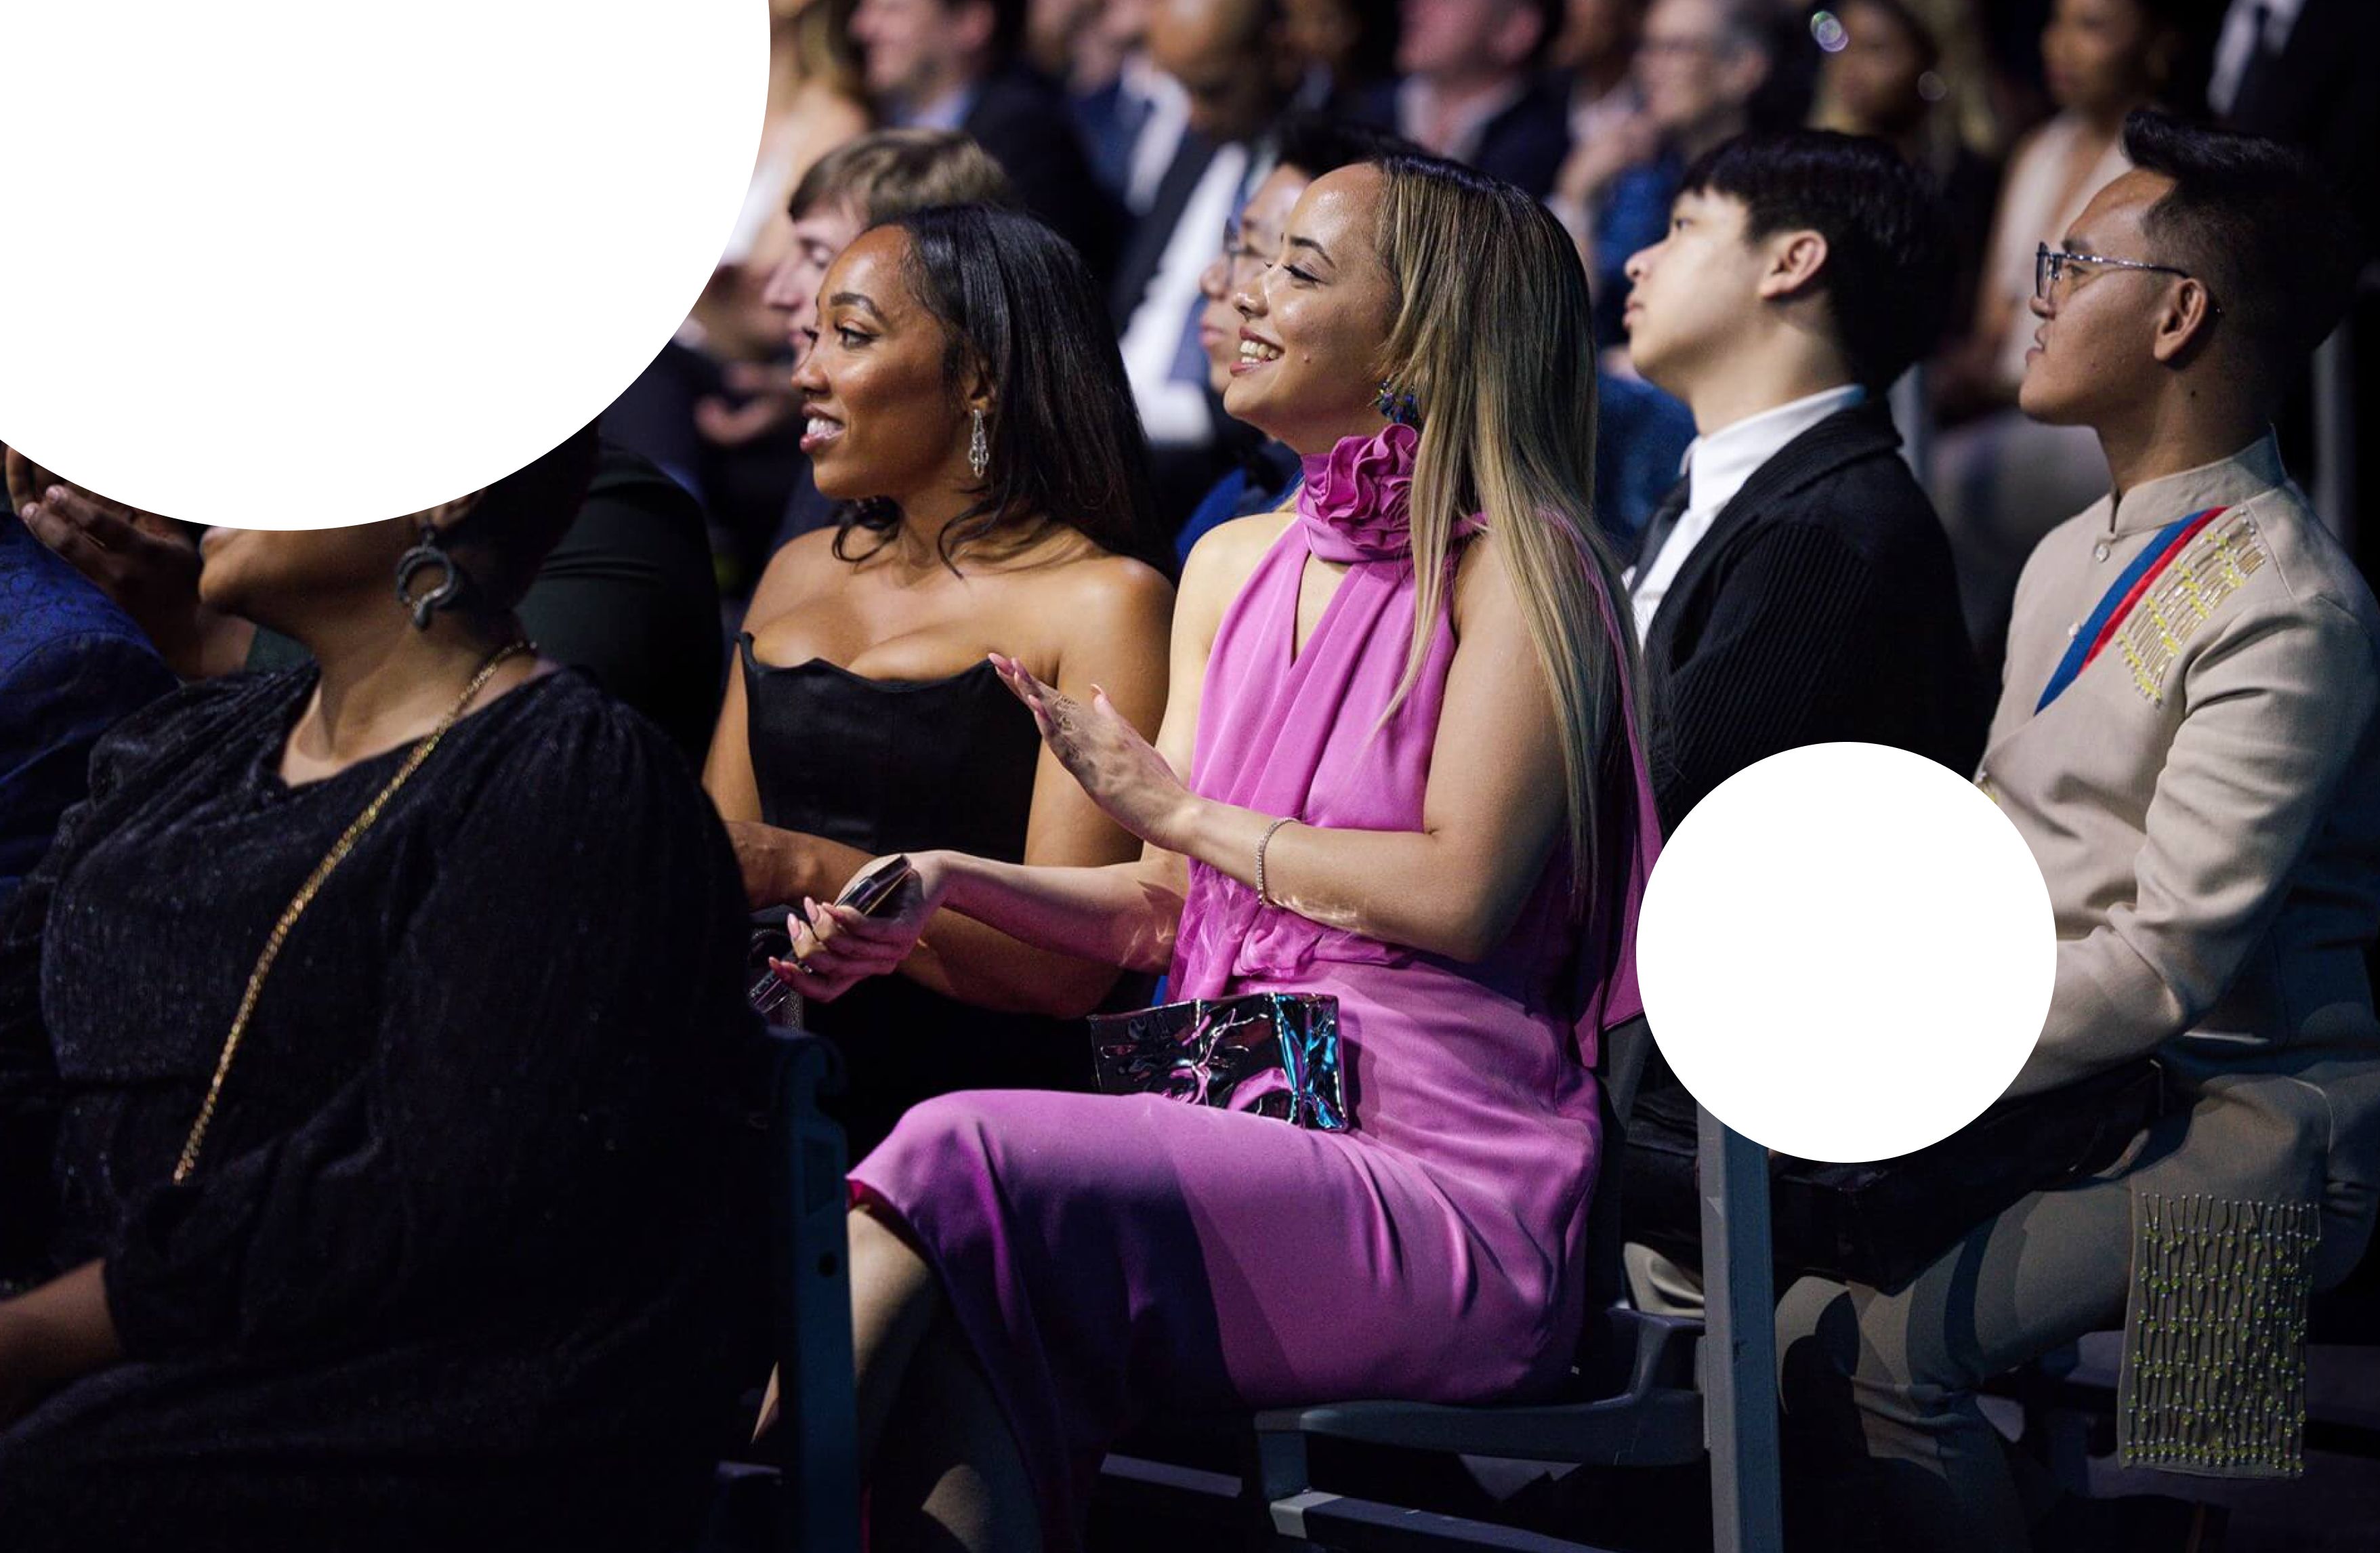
[
  {"x": 1121, "y": 770},
  {"x": 836, "y": 948}
]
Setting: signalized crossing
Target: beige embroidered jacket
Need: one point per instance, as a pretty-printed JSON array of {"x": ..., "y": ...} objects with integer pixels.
[{"x": 2204, "y": 804}]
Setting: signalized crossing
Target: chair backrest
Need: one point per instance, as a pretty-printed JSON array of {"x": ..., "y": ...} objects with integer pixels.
[
  {"x": 1624, "y": 1052},
  {"x": 817, "y": 1430},
  {"x": 1627, "y": 1048}
]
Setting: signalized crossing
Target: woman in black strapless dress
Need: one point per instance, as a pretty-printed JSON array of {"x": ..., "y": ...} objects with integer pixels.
[
  {"x": 884, "y": 766},
  {"x": 965, "y": 398}
]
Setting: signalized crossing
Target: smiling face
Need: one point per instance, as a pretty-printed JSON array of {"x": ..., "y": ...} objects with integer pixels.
[
  {"x": 2094, "y": 351},
  {"x": 793, "y": 286},
  {"x": 1247, "y": 249},
  {"x": 1692, "y": 294},
  {"x": 1315, "y": 322},
  {"x": 883, "y": 419}
]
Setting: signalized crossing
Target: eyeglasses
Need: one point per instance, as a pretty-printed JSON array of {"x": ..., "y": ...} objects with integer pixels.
[
  {"x": 2050, "y": 266},
  {"x": 1238, "y": 258}
]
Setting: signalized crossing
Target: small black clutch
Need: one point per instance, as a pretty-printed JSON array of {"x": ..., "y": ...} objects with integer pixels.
[{"x": 1273, "y": 1053}]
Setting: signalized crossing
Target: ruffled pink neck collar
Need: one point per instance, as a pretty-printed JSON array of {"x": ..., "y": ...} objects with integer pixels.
[{"x": 1355, "y": 503}]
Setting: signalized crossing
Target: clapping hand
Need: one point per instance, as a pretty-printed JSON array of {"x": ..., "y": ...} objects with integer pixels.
[{"x": 1121, "y": 771}]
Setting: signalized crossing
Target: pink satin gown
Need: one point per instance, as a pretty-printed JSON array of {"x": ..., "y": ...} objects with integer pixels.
[{"x": 1110, "y": 1258}]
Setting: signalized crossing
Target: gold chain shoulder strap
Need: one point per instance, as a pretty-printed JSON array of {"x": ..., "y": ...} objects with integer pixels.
[{"x": 307, "y": 892}]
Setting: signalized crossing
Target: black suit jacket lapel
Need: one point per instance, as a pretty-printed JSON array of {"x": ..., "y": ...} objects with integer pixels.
[
  {"x": 1847, "y": 436},
  {"x": 2277, "y": 94}
]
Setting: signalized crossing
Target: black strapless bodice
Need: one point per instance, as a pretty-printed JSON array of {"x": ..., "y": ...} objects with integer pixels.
[
  {"x": 907, "y": 766},
  {"x": 891, "y": 765}
]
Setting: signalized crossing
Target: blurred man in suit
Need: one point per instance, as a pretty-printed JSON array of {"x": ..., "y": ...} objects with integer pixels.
[
  {"x": 958, "y": 65},
  {"x": 1469, "y": 88},
  {"x": 1226, "y": 56}
]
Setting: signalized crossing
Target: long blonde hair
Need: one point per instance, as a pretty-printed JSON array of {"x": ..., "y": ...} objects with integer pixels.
[{"x": 1493, "y": 340}]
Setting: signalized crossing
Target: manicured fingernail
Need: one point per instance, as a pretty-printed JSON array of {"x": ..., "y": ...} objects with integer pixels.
[{"x": 56, "y": 493}]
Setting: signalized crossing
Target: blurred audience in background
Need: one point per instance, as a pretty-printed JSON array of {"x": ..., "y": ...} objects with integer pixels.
[
  {"x": 1913, "y": 72},
  {"x": 2307, "y": 73},
  {"x": 1129, "y": 113},
  {"x": 1140, "y": 128},
  {"x": 2000, "y": 479},
  {"x": 1235, "y": 77},
  {"x": 1702, "y": 66},
  {"x": 961, "y": 65},
  {"x": 1469, "y": 88},
  {"x": 1343, "y": 49},
  {"x": 706, "y": 411},
  {"x": 1596, "y": 55}
]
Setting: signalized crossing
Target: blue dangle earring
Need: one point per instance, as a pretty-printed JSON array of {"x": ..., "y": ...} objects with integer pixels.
[{"x": 1397, "y": 408}]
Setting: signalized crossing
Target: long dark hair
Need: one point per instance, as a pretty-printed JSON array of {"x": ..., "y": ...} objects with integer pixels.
[{"x": 1017, "y": 303}]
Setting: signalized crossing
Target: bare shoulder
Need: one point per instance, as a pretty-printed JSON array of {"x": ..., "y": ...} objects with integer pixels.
[
  {"x": 1226, "y": 555},
  {"x": 1484, "y": 586},
  {"x": 800, "y": 567},
  {"x": 1109, "y": 592}
]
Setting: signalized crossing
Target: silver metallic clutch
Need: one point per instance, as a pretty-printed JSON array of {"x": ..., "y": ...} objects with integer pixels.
[{"x": 1274, "y": 1053}]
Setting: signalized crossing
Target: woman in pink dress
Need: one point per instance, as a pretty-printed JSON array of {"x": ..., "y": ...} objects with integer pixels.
[{"x": 1412, "y": 784}]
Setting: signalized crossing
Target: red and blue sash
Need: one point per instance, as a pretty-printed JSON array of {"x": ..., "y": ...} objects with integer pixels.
[{"x": 2121, "y": 595}]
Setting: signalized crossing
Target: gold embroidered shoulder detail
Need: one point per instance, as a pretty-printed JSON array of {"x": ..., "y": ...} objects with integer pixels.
[{"x": 2225, "y": 555}]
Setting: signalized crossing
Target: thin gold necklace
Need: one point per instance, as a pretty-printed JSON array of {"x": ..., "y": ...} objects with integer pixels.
[{"x": 307, "y": 892}]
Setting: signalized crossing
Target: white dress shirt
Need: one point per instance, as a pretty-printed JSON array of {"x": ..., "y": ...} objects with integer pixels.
[
  {"x": 1718, "y": 464},
  {"x": 1173, "y": 411}
]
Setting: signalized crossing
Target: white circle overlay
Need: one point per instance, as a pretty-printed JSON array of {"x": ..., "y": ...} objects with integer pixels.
[
  {"x": 293, "y": 265},
  {"x": 1846, "y": 951}
]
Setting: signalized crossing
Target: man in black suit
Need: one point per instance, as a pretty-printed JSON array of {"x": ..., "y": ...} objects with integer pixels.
[
  {"x": 1469, "y": 88},
  {"x": 956, "y": 65},
  {"x": 1796, "y": 587},
  {"x": 2307, "y": 73},
  {"x": 1227, "y": 57}
]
